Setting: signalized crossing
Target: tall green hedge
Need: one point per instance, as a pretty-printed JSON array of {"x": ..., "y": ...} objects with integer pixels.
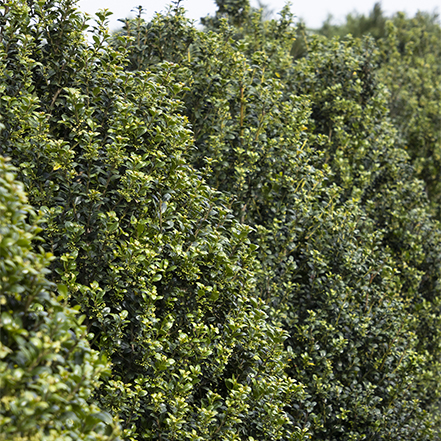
[
  {"x": 350, "y": 110},
  {"x": 147, "y": 250},
  {"x": 349, "y": 253},
  {"x": 243, "y": 230}
]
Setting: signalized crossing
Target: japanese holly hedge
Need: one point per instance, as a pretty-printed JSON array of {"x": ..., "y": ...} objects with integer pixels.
[
  {"x": 410, "y": 67},
  {"x": 370, "y": 162},
  {"x": 350, "y": 111},
  {"x": 149, "y": 253},
  {"x": 348, "y": 251},
  {"x": 291, "y": 203},
  {"x": 47, "y": 369}
]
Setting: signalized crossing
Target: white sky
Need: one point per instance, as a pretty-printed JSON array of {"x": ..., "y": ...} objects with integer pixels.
[{"x": 314, "y": 12}]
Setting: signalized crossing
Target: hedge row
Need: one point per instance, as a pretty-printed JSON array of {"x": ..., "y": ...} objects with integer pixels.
[{"x": 241, "y": 228}]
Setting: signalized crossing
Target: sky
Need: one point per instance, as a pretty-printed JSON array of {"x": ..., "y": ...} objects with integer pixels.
[{"x": 313, "y": 12}]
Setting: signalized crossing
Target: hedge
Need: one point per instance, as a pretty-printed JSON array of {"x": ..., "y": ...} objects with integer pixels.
[{"x": 238, "y": 219}]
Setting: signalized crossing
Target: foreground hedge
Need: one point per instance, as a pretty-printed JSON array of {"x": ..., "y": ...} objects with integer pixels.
[
  {"x": 150, "y": 254},
  {"x": 47, "y": 369}
]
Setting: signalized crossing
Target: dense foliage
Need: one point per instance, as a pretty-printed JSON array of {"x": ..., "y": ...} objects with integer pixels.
[
  {"x": 151, "y": 255},
  {"x": 409, "y": 64},
  {"x": 242, "y": 227},
  {"x": 47, "y": 369}
]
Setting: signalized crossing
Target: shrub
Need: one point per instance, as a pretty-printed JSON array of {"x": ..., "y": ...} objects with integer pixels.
[
  {"x": 271, "y": 273},
  {"x": 350, "y": 115},
  {"x": 148, "y": 251},
  {"x": 47, "y": 369},
  {"x": 409, "y": 66},
  {"x": 348, "y": 252}
]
